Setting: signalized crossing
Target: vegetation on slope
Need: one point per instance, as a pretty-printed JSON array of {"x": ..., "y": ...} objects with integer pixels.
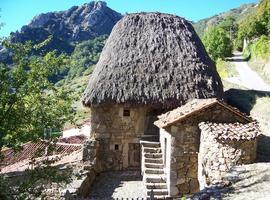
[
  {"x": 29, "y": 101},
  {"x": 255, "y": 25},
  {"x": 256, "y": 30},
  {"x": 84, "y": 56},
  {"x": 225, "y": 69},
  {"x": 238, "y": 13},
  {"x": 217, "y": 43}
]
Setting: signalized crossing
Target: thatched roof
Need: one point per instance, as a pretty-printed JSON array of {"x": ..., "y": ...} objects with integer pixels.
[{"x": 153, "y": 58}]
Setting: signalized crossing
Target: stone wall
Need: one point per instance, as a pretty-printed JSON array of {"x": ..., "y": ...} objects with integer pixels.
[
  {"x": 181, "y": 156},
  {"x": 85, "y": 172},
  {"x": 217, "y": 157},
  {"x": 118, "y": 134},
  {"x": 184, "y": 137},
  {"x": 165, "y": 144}
]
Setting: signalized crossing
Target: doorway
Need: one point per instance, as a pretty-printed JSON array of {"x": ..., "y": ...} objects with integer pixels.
[{"x": 134, "y": 155}]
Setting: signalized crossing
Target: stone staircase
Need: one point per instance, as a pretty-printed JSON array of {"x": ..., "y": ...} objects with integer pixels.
[{"x": 152, "y": 170}]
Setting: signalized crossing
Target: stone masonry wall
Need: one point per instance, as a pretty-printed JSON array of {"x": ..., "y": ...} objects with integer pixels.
[
  {"x": 115, "y": 132},
  {"x": 184, "y": 148},
  {"x": 185, "y": 143},
  {"x": 217, "y": 157}
]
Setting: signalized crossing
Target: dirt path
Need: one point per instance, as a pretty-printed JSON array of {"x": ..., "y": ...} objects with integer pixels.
[
  {"x": 118, "y": 185},
  {"x": 247, "y": 77},
  {"x": 249, "y": 182}
]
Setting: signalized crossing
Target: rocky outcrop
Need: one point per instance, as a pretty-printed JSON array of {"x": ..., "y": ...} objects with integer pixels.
[{"x": 78, "y": 23}]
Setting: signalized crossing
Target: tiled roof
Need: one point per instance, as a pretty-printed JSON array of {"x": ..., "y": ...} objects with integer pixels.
[
  {"x": 38, "y": 149},
  {"x": 85, "y": 122},
  {"x": 192, "y": 107},
  {"x": 76, "y": 139},
  {"x": 231, "y": 131},
  {"x": 58, "y": 160}
]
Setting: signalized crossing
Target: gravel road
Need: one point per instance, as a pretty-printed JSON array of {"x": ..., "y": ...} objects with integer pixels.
[{"x": 247, "y": 77}]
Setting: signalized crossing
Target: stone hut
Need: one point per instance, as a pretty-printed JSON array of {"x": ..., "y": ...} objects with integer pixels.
[
  {"x": 151, "y": 63},
  {"x": 202, "y": 140}
]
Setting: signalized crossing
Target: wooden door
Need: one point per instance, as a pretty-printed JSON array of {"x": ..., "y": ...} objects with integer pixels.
[{"x": 134, "y": 155}]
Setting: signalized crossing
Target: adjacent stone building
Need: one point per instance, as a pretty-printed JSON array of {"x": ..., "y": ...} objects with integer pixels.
[{"x": 202, "y": 140}]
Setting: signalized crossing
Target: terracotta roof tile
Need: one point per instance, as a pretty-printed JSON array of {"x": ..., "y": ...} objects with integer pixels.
[
  {"x": 76, "y": 139},
  {"x": 192, "y": 107},
  {"x": 38, "y": 149},
  {"x": 231, "y": 131}
]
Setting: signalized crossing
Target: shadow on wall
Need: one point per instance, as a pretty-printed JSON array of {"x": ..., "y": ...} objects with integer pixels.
[
  {"x": 263, "y": 149},
  {"x": 244, "y": 100}
]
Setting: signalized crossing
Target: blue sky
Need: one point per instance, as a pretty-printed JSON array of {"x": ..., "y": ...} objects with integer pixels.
[{"x": 16, "y": 13}]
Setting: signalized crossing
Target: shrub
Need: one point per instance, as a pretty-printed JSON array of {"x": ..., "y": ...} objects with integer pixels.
[
  {"x": 217, "y": 43},
  {"x": 261, "y": 48}
]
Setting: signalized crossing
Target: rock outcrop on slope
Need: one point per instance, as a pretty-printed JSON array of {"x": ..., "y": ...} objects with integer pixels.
[{"x": 76, "y": 24}]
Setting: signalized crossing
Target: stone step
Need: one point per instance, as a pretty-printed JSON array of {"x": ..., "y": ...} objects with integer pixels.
[
  {"x": 154, "y": 178},
  {"x": 153, "y": 160},
  {"x": 150, "y": 144},
  {"x": 151, "y": 150},
  {"x": 157, "y": 192},
  {"x": 156, "y": 186},
  {"x": 153, "y": 165},
  {"x": 152, "y": 155},
  {"x": 159, "y": 197},
  {"x": 154, "y": 171}
]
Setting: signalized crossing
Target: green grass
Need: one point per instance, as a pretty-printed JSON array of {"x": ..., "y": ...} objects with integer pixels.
[
  {"x": 225, "y": 69},
  {"x": 260, "y": 57},
  {"x": 261, "y": 112}
]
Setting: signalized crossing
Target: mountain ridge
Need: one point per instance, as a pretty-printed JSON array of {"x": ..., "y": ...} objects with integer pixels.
[
  {"x": 238, "y": 13},
  {"x": 79, "y": 23}
]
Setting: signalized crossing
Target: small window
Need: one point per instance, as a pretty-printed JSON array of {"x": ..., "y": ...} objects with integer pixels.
[
  {"x": 116, "y": 147},
  {"x": 126, "y": 113}
]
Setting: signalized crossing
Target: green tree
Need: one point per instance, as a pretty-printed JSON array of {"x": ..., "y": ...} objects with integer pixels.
[
  {"x": 255, "y": 25},
  {"x": 230, "y": 26},
  {"x": 29, "y": 102},
  {"x": 217, "y": 43},
  {"x": 261, "y": 48}
]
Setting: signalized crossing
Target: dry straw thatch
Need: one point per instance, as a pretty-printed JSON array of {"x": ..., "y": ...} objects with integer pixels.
[{"x": 153, "y": 59}]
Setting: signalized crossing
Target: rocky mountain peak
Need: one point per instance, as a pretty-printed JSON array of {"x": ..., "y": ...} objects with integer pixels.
[{"x": 78, "y": 23}]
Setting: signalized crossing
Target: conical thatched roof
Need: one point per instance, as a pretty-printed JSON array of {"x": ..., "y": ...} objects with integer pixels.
[{"x": 153, "y": 58}]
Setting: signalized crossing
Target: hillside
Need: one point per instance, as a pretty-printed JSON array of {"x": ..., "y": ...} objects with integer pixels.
[
  {"x": 237, "y": 13},
  {"x": 69, "y": 27},
  {"x": 79, "y": 32}
]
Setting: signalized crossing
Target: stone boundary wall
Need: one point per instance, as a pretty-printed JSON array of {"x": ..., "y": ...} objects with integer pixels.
[
  {"x": 81, "y": 185},
  {"x": 217, "y": 157}
]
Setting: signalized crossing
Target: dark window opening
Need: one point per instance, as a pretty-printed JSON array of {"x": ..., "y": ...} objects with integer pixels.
[
  {"x": 126, "y": 113},
  {"x": 116, "y": 147}
]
